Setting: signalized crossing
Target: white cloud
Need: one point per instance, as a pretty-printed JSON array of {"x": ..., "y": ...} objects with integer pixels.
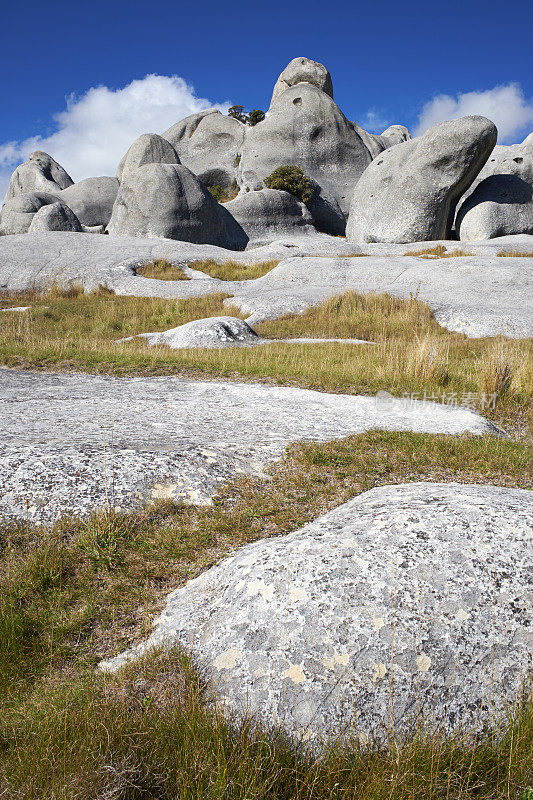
[
  {"x": 506, "y": 106},
  {"x": 375, "y": 120},
  {"x": 95, "y": 129}
]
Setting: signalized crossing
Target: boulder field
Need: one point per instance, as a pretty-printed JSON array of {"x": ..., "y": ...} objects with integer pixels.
[{"x": 383, "y": 187}]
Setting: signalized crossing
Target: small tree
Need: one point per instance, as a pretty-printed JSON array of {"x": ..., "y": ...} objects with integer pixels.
[
  {"x": 291, "y": 179},
  {"x": 246, "y": 117}
]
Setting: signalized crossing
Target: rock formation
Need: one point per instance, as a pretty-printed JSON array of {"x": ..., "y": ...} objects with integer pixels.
[
  {"x": 18, "y": 214},
  {"x": 55, "y": 217},
  {"x": 409, "y": 193},
  {"x": 269, "y": 214},
  {"x": 210, "y": 332},
  {"x": 91, "y": 200},
  {"x": 40, "y": 173},
  {"x": 394, "y": 589},
  {"x": 501, "y": 202}
]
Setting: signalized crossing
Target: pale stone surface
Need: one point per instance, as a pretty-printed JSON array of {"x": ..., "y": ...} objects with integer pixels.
[
  {"x": 168, "y": 201},
  {"x": 268, "y": 214},
  {"x": 76, "y": 442},
  {"x": 209, "y": 144},
  {"x": 479, "y": 295},
  {"x": 55, "y": 217},
  {"x": 303, "y": 70},
  {"x": 502, "y": 201},
  {"x": 18, "y": 213},
  {"x": 210, "y": 332},
  {"x": 410, "y": 191},
  {"x": 410, "y": 599},
  {"x": 149, "y": 148},
  {"x": 91, "y": 200},
  {"x": 40, "y": 173}
]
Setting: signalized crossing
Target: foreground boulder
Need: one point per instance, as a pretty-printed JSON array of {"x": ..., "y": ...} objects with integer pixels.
[
  {"x": 501, "y": 203},
  {"x": 269, "y": 214},
  {"x": 408, "y": 600},
  {"x": 18, "y": 214},
  {"x": 168, "y": 201},
  {"x": 91, "y": 200},
  {"x": 210, "y": 332},
  {"x": 409, "y": 193},
  {"x": 209, "y": 144},
  {"x": 40, "y": 173}
]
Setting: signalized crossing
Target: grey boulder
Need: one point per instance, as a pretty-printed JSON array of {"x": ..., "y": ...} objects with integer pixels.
[
  {"x": 410, "y": 192},
  {"x": 408, "y": 601},
  {"x": 55, "y": 217},
  {"x": 40, "y": 173},
  {"x": 306, "y": 128},
  {"x": 303, "y": 70},
  {"x": 209, "y": 144},
  {"x": 18, "y": 214},
  {"x": 210, "y": 332},
  {"x": 268, "y": 214},
  {"x": 149, "y": 148},
  {"x": 91, "y": 200},
  {"x": 501, "y": 203},
  {"x": 168, "y": 201}
]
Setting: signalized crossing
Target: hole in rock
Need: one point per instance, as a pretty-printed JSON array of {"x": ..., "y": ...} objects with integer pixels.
[{"x": 297, "y": 101}]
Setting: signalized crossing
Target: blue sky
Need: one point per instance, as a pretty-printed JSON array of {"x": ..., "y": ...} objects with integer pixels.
[{"x": 391, "y": 62}]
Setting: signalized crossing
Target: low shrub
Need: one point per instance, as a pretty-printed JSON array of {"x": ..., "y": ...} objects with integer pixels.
[{"x": 291, "y": 179}]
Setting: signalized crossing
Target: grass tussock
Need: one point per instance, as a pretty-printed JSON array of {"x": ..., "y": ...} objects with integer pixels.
[
  {"x": 412, "y": 354},
  {"x": 162, "y": 270},
  {"x": 84, "y": 589},
  {"x": 439, "y": 251},
  {"x": 514, "y": 254},
  {"x": 233, "y": 270}
]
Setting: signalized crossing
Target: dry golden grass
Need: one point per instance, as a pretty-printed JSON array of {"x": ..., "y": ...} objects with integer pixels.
[
  {"x": 162, "y": 270},
  {"x": 439, "y": 251},
  {"x": 412, "y": 354},
  {"x": 233, "y": 270},
  {"x": 514, "y": 254}
]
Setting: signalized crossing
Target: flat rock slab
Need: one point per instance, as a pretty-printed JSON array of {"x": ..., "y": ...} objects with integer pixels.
[
  {"x": 479, "y": 295},
  {"x": 74, "y": 442},
  {"x": 409, "y": 600}
]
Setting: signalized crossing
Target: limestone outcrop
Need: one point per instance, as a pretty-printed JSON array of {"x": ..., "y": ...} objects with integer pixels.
[
  {"x": 91, "y": 200},
  {"x": 269, "y": 214},
  {"x": 18, "y": 214},
  {"x": 410, "y": 192},
  {"x": 40, "y": 173},
  {"x": 421, "y": 588},
  {"x": 55, "y": 217},
  {"x": 501, "y": 202}
]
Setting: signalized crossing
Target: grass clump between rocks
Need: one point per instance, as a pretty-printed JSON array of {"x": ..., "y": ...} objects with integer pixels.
[
  {"x": 439, "y": 251},
  {"x": 514, "y": 254},
  {"x": 291, "y": 179},
  {"x": 162, "y": 270},
  {"x": 411, "y": 355},
  {"x": 82, "y": 590},
  {"x": 233, "y": 270}
]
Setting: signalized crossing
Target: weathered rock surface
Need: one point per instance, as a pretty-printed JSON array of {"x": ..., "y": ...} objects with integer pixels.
[
  {"x": 55, "y": 217},
  {"x": 267, "y": 214},
  {"x": 40, "y": 173},
  {"x": 18, "y": 213},
  {"x": 209, "y": 144},
  {"x": 91, "y": 200},
  {"x": 303, "y": 70},
  {"x": 75, "y": 442},
  {"x": 410, "y": 599},
  {"x": 168, "y": 201},
  {"x": 149, "y": 148},
  {"x": 409, "y": 193},
  {"x": 479, "y": 295},
  {"x": 501, "y": 203},
  {"x": 211, "y": 332},
  {"x": 306, "y": 128}
]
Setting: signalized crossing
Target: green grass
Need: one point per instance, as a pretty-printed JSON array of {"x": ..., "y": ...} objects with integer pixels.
[
  {"x": 412, "y": 354},
  {"x": 86, "y": 588}
]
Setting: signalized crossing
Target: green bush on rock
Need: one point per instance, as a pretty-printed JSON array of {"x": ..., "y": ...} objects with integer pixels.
[{"x": 291, "y": 179}]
